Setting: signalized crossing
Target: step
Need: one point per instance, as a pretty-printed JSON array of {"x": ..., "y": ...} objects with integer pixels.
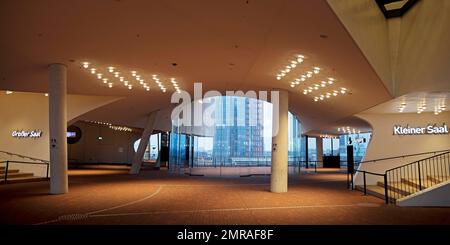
[
  {"x": 2, "y": 168},
  {"x": 415, "y": 183},
  {"x": 2, "y": 171},
  {"x": 16, "y": 175},
  {"x": 437, "y": 179},
  {"x": 23, "y": 180},
  {"x": 399, "y": 188},
  {"x": 375, "y": 190}
]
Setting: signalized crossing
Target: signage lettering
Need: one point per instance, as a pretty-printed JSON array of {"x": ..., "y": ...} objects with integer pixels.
[
  {"x": 430, "y": 129},
  {"x": 26, "y": 133}
]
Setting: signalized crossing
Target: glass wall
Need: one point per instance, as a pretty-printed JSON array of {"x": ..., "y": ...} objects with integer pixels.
[
  {"x": 330, "y": 146},
  {"x": 241, "y": 136},
  {"x": 359, "y": 143},
  {"x": 153, "y": 147},
  {"x": 312, "y": 149}
]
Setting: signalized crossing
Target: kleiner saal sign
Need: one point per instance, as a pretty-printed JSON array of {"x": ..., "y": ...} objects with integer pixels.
[{"x": 433, "y": 129}]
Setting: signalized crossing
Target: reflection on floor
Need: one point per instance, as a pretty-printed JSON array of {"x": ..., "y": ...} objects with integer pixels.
[{"x": 112, "y": 196}]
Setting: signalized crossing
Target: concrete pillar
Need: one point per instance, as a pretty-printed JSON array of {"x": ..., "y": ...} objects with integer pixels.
[
  {"x": 58, "y": 128},
  {"x": 319, "y": 148},
  {"x": 279, "y": 176},
  {"x": 137, "y": 158}
]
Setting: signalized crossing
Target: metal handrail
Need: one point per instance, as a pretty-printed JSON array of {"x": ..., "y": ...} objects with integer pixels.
[
  {"x": 36, "y": 163},
  {"x": 437, "y": 165},
  {"x": 409, "y": 168},
  {"x": 23, "y": 156},
  {"x": 403, "y": 156},
  {"x": 418, "y": 161},
  {"x": 386, "y": 197}
]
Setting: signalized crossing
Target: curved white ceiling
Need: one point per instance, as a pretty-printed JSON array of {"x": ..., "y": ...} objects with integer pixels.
[{"x": 226, "y": 45}]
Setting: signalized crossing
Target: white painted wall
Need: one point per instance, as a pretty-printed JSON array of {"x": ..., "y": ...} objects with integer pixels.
[
  {"x": 29, "y": 111},
  {"x": 408, "y": 53},
  {"x": 384, "y": 144},
  {"x": 424, "y": 51},
  {"x": 369, "y": 28},
  {"x": 436, "y": 196},
  {"x": 116, "y": 147}
]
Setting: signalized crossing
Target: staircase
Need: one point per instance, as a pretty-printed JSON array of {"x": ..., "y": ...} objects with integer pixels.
[
  {"x": 11, "y": 163},
  {"x": 410, "y": 178},
  {"x": 15, "y": 176}
]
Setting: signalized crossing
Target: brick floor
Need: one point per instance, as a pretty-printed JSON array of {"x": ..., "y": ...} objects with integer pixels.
[{"x": 111, "y": 196}]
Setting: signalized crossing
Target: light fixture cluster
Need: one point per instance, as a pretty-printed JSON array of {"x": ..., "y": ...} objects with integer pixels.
[
  {"x": 100, "y": 123},
  {"x": 306, "y": 75},
  {"x": 421, "y": 105},
  {"x": 292, "y": 64},
  {"x": 329, "y": 94},
  {"x": 8, "y": 92},
  {"x": 439, "y": 106},
  {"x": 348, "y": 130},
  {"x": 402, "y": 107},
  {"x": 139, "y": 79},
  {"x": 317, "y": 86},
  {"x": 129, "y": 80},
  {"x": 160, "y": 84},
  {"x": 175, "y": 85},
  {"x": 121, "y": 128},
  {"x": 111, "y": 126},
  {"x": 326, "y": 136}
]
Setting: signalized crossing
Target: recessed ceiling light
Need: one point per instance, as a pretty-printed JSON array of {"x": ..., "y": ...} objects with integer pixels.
[
  {"x": 111, "y": 69},
  {"x": 46, "y": 94},
  {"x": 85, "y": 64},
  {"x": 93, "y": 70},
  {"x": 9, "y": 92}
]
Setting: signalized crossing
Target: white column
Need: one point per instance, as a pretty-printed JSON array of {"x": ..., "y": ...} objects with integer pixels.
[
  {"x": 58, "y": 128},
  {"x": 137, "y": 158},
  {"x": 319, "y": 148},
  {"x": 279, "y": 176}
]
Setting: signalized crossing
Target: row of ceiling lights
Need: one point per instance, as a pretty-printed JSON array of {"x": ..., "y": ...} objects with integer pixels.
[
  {"x": 348, "y": 130},
  {"x": 8, "y": 92},
  {"x": 292, "y": 65},
  {"x": 111, "y": 126},
  {"x": 326, "y": 136},
  {"x": 439, "y": 106},
  {"x": 117, "y": 75},
  {"x": 306, "y": 75},
  {"x": 309, "y": 74},
  {"x": 329, "y": 94},
  {"x": 316, "y": 86}
]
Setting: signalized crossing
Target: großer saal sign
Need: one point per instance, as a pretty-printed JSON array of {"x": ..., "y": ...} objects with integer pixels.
[
  {"x": 429, "y": 129},
  {"x": 26, "y": 133}
]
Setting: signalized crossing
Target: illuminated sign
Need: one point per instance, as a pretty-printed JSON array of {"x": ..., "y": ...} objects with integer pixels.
[
  {"x": 26, "y": 133},
  {"x": 71, "y": 134},
  {"x": 430, "y": 129}
]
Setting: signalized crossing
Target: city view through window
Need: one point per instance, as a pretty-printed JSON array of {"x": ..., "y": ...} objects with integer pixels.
[{"x": 241, "y": 137}]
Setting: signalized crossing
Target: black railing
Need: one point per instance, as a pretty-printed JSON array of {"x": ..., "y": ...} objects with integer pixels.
[
  {"x": 408, "y": 179},
  {"x": 350, "y": 183},
  {"x": 22, "y": 156},
  {"x": 307, "y": 164},
  {"x": 416, "y": 176},
  {"x": 403, "y": 156},
  {"x": 23, "y": 162}
]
